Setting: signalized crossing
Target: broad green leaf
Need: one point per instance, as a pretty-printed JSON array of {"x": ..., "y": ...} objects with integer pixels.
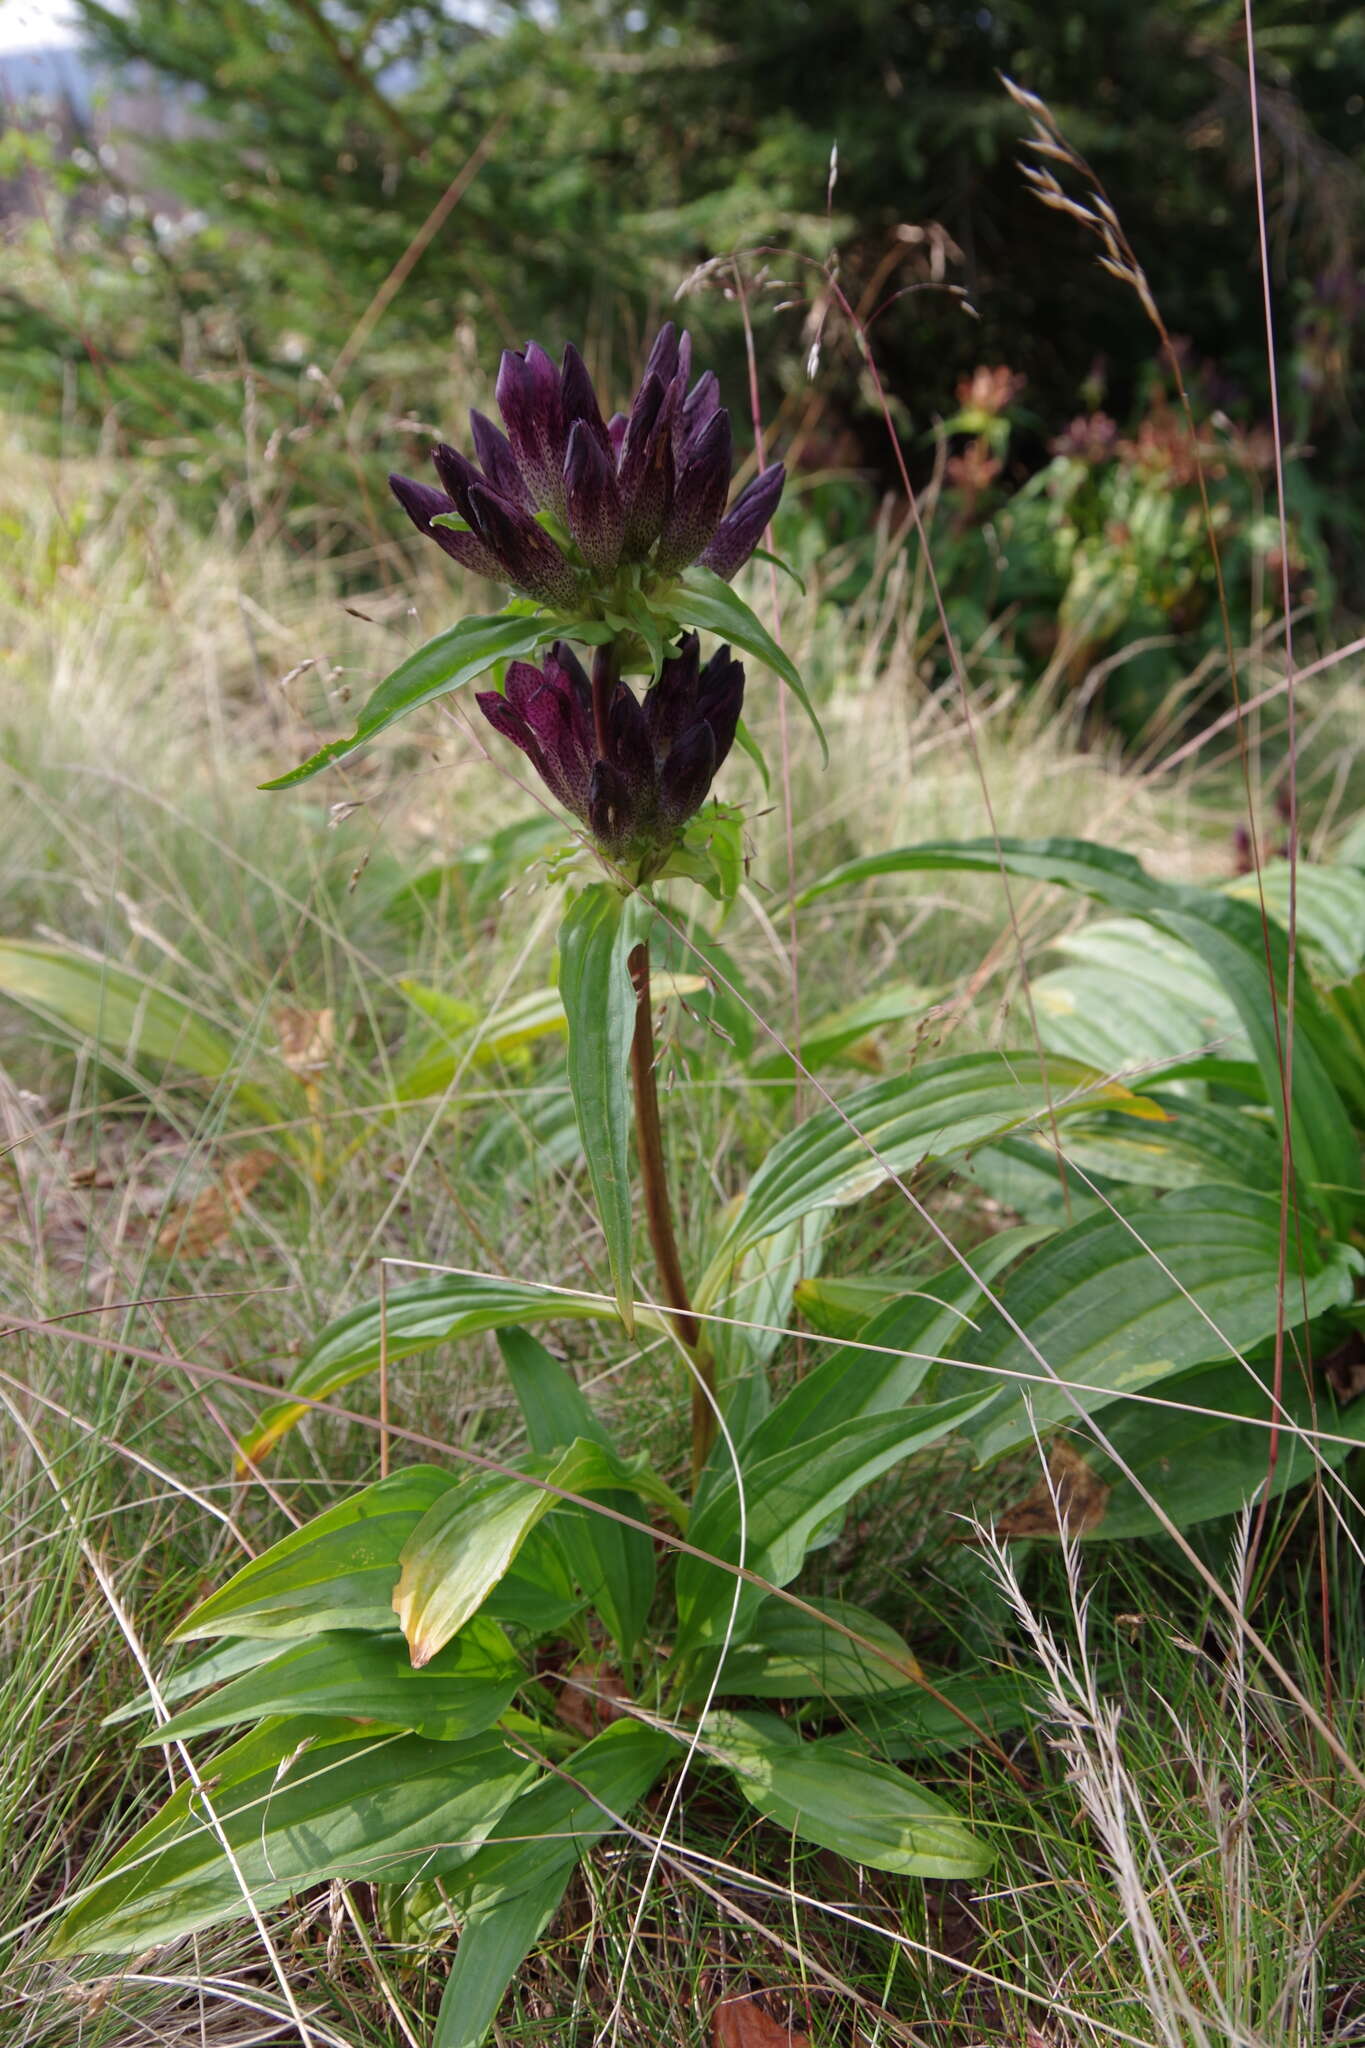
[
  {"x": 760, "y": 1290},
  {"x": 509, "y": 1890},
  {"x": 1115, "y": 1308},
  {"x": 704, "y": 599},
  {"x": 787, "y": 1500},
  {"x": 894, "y": 1353},
  {"x": 129, "y": 1017},
  {"x": 826, "y": 1792},
  {"x": 1199, "y": 1145},
  {"x": 443, "y": 664},
  {"x": 225, "y": 1660},
  {"x": 942, "y": 1108},
  {"x": 915, "y": 1723},
  {"x": 791, "y": 1655},
  {"x": 838, "y": 1304},
  {"x": 845, "y": 1036},
  {"x": 412, "y": 1319},
  {"x": 296, "y": 1810},
  {"x": 1229, "y": 939},
  {"x": 1330, "y": 911},
  {"x": 346, "y": 1673},
  {"x": 614, "y": 1565},
  {"x": 339, "y": 1572},
  {"x": 595, "y": 943},
  {"x": 467, "y": 1541},
  {"x": 1199, "y": 1467}
]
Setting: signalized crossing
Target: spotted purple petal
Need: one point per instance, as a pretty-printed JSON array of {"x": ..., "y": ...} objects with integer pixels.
[
  {"x": 699, "y": 496},
  {"x": 422, "y": 502},
  {"x": 494, "y": 451},
  {"x": 611, "y": 809},
  {"x": 530, "y": 560},
  {"x": 579, "y": 399},
  {"x": 687, "y": 775},
  {"x": 529, "y": 399},
  {"x": 743, "y": 526},
  {"x": 592, "y": 500}
]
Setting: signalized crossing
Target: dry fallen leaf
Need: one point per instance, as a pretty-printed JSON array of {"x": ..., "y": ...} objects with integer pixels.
[
  {"x": 307, "y": 1040},
  {"x": 743, "y": 2023},
  {"x": 199, "y": 1227},
  {"x": 587, "y": 1700},
  {"x": 1080, "y": 1496}
]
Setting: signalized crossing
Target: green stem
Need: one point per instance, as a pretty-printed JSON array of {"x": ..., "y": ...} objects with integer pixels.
[{"x": 659, "y": 1213}]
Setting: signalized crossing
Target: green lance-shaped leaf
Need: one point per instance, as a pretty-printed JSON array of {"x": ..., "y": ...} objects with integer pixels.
[
  {"x": 409, "y": 1319},
  {"x": 705, "y": 600},
  {"x": 791, "y": 1655},
  {"x": 349, "y": 1673},
  {"x": 509, "y": 1890},
  {"x": 339, "y": 1572},
  {"x": 462, "y": 1548},
  {"x": 595, "y": 942},
  {"x": 788, "y": 1499},
  {"x": 1226, "y": 935},
  {"x": 128, "y": 1017},
  {"x": 296, "y": 1808},
  {"x": 943, "y": 1107},
  {"x": 613, "y": 1564},
  {"x": 1115, "y": 1308},
  {"x": 827, "y": 1792},
  {"x": 1202, "y": 1466},
  {"x": 454, "y": 657}
]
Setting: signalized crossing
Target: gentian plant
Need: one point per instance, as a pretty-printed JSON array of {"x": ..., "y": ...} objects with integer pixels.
[{"x": 384, "y": 1667}]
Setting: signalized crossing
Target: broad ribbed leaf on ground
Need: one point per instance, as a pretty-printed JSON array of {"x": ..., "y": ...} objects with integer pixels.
[
  {"x": 348, "y": 1673},
  {"x": 1115, "y": 1308},
  {"x": 508, "y": 1891},
  {"x": 826, "y": 1792},
  {"x": 129, "y": 1017},
  {"x": 614, "y": 1565},
  {"x": 787, "y": 1499},
  {"x": 467, "y": 1542},
  {"x": 296, "y": 1808},
  {"x": 1229, "y": 939},
  {"x": 339, "y": 1571},
  {"x": 791, "y": 1655},
  {"x": 944, "y": 1107},
  {"x": 1202, "y": 1466},
  {"x": 410, "y": 1319}
]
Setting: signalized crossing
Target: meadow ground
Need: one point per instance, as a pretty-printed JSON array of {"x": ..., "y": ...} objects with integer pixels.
[{"x": 1184, "y": 1865}]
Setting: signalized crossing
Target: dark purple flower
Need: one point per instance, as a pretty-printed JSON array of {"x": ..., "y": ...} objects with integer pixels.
[
  {"x": 562, "y": 500},
  {"x": 658, "y": 758}
]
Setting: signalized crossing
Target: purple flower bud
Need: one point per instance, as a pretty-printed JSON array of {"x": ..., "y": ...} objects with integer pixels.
[
  {"x": 671, "y": 703},
  {"x": 663, "y": 357},
  {"x": 701, "y": 401},
  {"x": 616, "y": 433},
  {"x": 530, "y": 560},
  {"x": 592, "y": 500},
  {"x": 699, "y": 496},
  {"x": 720, "y": 699},
  {"x": 611, "y": 809},
  {"x": 687, "y": 775},
  {"x": 457, "y": 474},
  {"x": 529, "y": 399},
  {"x": 494, "y": 451},
  {"x": 628, "y": 745},
  {"x": 646, "y": 468},
  {"x": 421, "y": 503},
  {"x": 579, "y": 400},
  {"x": 743, "y": 526}
]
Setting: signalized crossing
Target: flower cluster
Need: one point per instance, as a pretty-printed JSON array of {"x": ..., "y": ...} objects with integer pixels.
[
  {"x": 564, "y": 501},
  {"x": 633, "y": 772}
]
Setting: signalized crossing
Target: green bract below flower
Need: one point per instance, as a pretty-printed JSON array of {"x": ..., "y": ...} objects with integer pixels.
[{"x": 574, "y": 510}]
